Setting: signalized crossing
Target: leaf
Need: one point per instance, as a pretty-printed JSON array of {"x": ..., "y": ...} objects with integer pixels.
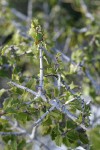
[
  {"x": 14, "y": 144},
  {"x": 54, "y": 132},
  {"x": 58, "y": 140},
  {"x": 72, "y": 136},
  {"x": 70, "y": 124},
  {"x": 22, "y": 144},
  {"x": 94, "y": 136},
  {"x": 47, "y": 121},
  {"x": 10, "y": 110},
  {"x": 46, "y": 130},
  {"x": 2, "y": 91},
  {"x": 21, "y": 117},
  {"x": 2, "y": 121},
  {"x": 83, "y": 138},
  {"x": 66, "y": 141}
]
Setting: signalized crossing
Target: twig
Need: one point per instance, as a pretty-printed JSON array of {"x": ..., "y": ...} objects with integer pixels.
[
  {"x": 41, "y": 67},
  {"x": 29, "y": 12},
  {"x": 43, "y": 116},
  {"x": 71, "y": 100},
  {"x": 32, "y": 135},
  {"x": 82, "y": 30},
  {"x": 39, "y": 94},
  {"x": 12, "y": 133},
  {"x": 19, "y": 14},
  {"x": 67, "y": 59},
  {"x": 63, "y": 109},
  {"x": 42, "y": 144},
  {"x": 14, "y": 125},
  {"x": 95, "y": 85},
  {"x": 59, "y": 106},
  {"x": 23, "y": 88},
  {"x": 64, "y": 57},
  {"x": 85, "y": 9},
  {"x": 59, "y": 81},
  {"x": 66, "y": 45},
  {"x": 55, "y": 104},
  {"x": 49, "y": 54}
]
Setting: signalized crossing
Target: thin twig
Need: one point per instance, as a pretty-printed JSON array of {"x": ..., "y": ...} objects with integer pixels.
[
  {"x": 64, "y": 110},
  {"x": 43, "y": 116},
  {"x": 29, "y": 11},
  {"x": 23, "y": 88},
  {"x": 95, "y": 85},
  {"x": 12, "y": 133},
  {"x": 59, "y": 82},
  {"x": 86, "y": 12},
  {"x": 66, "y": 45},
  {"x": 41, "y": 67},
  {"x": 69, "y": 101},
  {"x": 19, "y": 14},
  {"x": 42, "y": 144},
  {"x": 14, "y": 125}
]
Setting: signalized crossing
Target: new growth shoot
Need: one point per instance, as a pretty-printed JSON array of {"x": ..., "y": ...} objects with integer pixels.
[{"x": 37, "y": 33}]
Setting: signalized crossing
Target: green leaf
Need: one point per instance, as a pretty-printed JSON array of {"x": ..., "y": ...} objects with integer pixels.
[
  {"x": 10, "y": 110},
  {"x": 72, "y": 136},
  {"x": 94, "y": 136},
  {"x": 22, "y": 144},
  {"x": 45, "y": 130},
  {"x": 2, "y": 91},
  {"x": 54, "y": 132},
  {"x": 21, "y": 116},
  {"x": 71, "y": 124},
  {"x": 14, "y": 145},
  {"x": 58, "y": 140},
  {"x": 47, "y": 121},
  {"x": 3, "y": 121},
  {"x": 83, "y": 138}
]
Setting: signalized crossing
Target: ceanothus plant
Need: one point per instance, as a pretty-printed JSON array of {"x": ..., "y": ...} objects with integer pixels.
[{"x": 42, "y": 101}]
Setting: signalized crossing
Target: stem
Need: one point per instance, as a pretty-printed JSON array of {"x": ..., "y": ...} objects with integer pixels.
[
  {"x": 41, "y": 68},
  {"x": 23, "y": 88},
  {"x": 43, "y": 116},
  {"x": 59, "y": 81}
]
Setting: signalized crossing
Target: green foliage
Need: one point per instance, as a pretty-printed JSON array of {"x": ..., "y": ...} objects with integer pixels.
[
  {"x": 94, "y": 136},
  {"x": 36, "y": 31},
  {"x": 19, "y": 61}
]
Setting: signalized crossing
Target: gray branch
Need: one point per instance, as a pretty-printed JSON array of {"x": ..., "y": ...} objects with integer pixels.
[
  {"x": 12, "y": 133},
  {"x": 41, "y": 67},
  {"x": 43, "y": 116},
  {"x": 29, "y": 11},
  {"x": 23, "y": 88}
]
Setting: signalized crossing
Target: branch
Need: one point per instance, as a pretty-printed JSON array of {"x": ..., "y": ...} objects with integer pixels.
[
  {"x": 41, "y": 144},
  {"x": 33, "y": 137},
  {"x": 43, "y": 116},
  {"x": 19, "y": 14},
  {"x": 67, "y": 43},
  {"x": 39, "y": 94},
  {"x": 86, "y": 12},
  {"x": 13, "y": 133},
  {"x": 14, "y": 125},
  {"x": 71, "y": 100},
  {"x": 67, "y": 59},
  {"x": 95, "y": 85},
  {"x": 59, "y": 106},
  {"x": 41, "y": 67},
  {"x": 65, "y": 111},
  {"x": 23, "y": 88},
  {"x": 29, "y": 11},
  {"x": 54, "y": 103},
  {"x": 59, "y": 82}
]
